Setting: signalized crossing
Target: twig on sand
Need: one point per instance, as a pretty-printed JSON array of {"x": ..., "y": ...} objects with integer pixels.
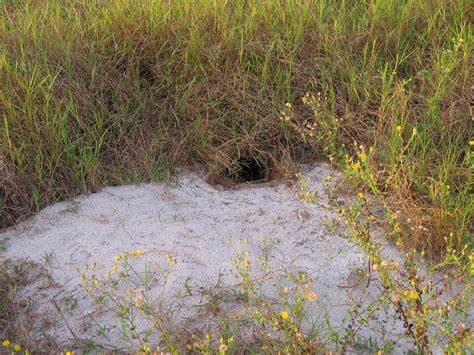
[{"x": 64, "y": 319}]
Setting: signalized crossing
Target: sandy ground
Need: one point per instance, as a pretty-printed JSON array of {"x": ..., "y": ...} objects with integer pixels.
[{"x": 193, "y": 221}]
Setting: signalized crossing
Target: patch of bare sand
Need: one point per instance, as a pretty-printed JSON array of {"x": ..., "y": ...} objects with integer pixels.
[{"x": 192, "y": 221}]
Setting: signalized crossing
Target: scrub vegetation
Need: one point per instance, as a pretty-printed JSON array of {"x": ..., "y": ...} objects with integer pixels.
[{"x": 99, "y": 93}]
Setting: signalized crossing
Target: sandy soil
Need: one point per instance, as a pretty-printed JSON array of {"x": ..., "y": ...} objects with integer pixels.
[{"x": 193, "y": 221}]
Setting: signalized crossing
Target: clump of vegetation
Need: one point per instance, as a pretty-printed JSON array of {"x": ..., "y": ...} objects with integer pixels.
[
  {"x": 15, "y": 311},
  {"x": 434, "y": 309},
  {"x": 148, "y": 321},
  {"x": 126, "y": 291}
]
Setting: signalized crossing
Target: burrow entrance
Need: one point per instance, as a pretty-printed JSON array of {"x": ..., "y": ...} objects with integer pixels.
[{"x": 247, "y": 169}]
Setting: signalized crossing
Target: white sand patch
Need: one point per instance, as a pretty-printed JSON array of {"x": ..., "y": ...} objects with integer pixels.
[{"x": 193, "y": 222}]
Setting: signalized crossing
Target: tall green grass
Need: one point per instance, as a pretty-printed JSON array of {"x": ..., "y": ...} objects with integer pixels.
[{"x": 104, "y": 92}]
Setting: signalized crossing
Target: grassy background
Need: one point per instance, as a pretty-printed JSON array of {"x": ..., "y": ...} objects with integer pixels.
[{"x": 105, "y": 92}]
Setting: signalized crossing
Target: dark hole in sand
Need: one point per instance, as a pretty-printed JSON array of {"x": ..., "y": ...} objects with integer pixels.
[{"x": 250, "y": 170}]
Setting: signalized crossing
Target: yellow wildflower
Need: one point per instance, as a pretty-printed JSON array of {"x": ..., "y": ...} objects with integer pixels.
[
  {"x": 284, "y": 315},
  {"x": 6, "y": 343},
  {"x": 117, "y": 258},
  {"x": 17, "y": 348}
]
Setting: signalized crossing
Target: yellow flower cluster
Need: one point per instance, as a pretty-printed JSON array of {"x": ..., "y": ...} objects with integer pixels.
[
  {"x": 170, "y": 259},
  {"x": 412, "y": 295},
  {"x": 6, "y": 344},
  {"x": 126, "y": 255}
]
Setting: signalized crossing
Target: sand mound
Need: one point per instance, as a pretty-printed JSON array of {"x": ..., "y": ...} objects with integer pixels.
[{"x": 192, "y": 221}]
